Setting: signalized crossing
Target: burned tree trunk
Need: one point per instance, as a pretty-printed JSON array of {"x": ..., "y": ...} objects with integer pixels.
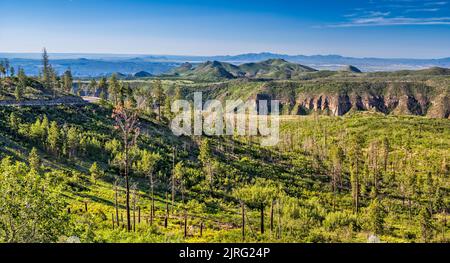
[
  {"x": 262, "y": 218},
  {"x": 201, "y": 228},
  {"x": 116, "y": 195},
  {"x": 271, "y": 217},
  {"x": 166, "y": 218},
  {"x": 243, "y": 220},
  {"x": 112, "y": 220},
  {"x": 185, "y": 224}
]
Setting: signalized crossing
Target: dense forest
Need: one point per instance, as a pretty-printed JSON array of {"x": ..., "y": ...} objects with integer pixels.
[{"x": 112, "y": 171}]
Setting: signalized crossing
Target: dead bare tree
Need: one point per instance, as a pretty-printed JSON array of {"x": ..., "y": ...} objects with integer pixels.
[
  {"x": 127, "y": 124},
  {"x": 173, "y": 178}
]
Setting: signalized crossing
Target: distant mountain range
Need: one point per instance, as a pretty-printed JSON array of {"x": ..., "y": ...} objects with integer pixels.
[
  {"x": 267, "y": 69},
  {"x": 94, "y": 65},
  {"x": 82, "y": 67}
]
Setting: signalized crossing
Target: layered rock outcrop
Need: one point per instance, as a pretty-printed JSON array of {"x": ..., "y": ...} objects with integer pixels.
[
  {"x": 390, "y": 99},
  {"x": 339, "y": 105}
]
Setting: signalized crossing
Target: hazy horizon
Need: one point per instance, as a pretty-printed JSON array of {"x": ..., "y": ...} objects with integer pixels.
[
  {"x": 127, "y": 55},
  {"x": 381, "y": 29}
]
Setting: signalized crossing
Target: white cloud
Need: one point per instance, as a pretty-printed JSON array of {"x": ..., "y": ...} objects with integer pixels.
[
  {"x": 422, "y": 10},
  {"x": 393, "y": 12},
  {"x": 378, "y": 13},
  {"x": 350, "y": 15},
  {"x": 393, "y": 21},
  {"x": 435, "y": 3}
]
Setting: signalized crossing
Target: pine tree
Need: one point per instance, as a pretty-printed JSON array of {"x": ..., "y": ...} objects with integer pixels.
[
  {"x": 72, "y": 141},
  {"x": 159, "y": 96},
  {"x": 376, "y": 217},
  {"x": 167, "y": 110},
  {"x": 18, "y": 93},
  {"x": 35, "y": 130},
  {"x": 45, "y": 124},
  {"x": 113, "y": 89},
  {"x": 103, "y": 97},
  {"x": 337, "y": 159},
  {"x": 103, "y": 86},
  {"x": 179, "y": 176},
  {"x": 53, "y": 137},
  {"x": 34, "y": 160},
  {"x": 2, "y": 69},
  {"x": 95, "y": 171},
  {"x": 46, "y": 68},
  {"x": 7, "y": 68},
  {"x": 92, "y": 87},
  {"x": 79, "y": 88},
  {"x": 206, "y": 158},
  {"x": 373, "y": 166},
  {"x": 55, "y": 82},
  {"x": 356, "y": 163},
  {"x": 23, "y": 79},
  {"x": 149, "y": 99},
  {"x": 14, "y": 121},
  {"x": 68, "y": 80}
]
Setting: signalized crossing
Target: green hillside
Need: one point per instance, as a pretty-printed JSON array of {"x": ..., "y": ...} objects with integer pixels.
[
  {"x": 306, "y": 204},
  {"x": 274, "y": 69},
  {"x": 340, "y": 93},
  {"x": 269, "y": 69},
  {"x": 26, "y": 89},
  {"x": 330, "y": 179}
]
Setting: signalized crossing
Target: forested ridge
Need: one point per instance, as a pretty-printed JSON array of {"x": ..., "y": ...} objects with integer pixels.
[{"x": 114, "y": 172}]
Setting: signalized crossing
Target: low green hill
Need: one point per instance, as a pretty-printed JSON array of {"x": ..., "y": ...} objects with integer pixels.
[
  {"x": 433, "y": 71},
  {"x": 208, "y": 71},
  {"x": 269, "y": 69},
  {"x": 274, "y": 69},
  {"x": 30, "y": 89},
  {"x": 142, "y": 74},
  {"x": 351, "y": 69}
]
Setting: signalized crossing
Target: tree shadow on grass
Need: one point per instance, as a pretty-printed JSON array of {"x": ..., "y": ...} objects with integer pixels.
[{"x": 97, "y": 199}]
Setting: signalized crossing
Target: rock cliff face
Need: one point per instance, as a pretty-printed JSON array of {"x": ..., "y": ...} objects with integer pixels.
[
  {"x": 403, "y": 101},
  {"x": 440, "y": 107},
  {"x": 339, "y": 105}
]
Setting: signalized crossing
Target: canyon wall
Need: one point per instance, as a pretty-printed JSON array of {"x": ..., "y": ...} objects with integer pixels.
[{"x": 391, "y": 99}]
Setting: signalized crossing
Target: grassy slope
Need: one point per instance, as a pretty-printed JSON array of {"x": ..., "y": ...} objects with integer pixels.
[
  {"x": 303, "y": 177},
  {"x": 100, "y": 195},
  {"x": 33, "y": 90},
  {"x": 428, "y": 140}
]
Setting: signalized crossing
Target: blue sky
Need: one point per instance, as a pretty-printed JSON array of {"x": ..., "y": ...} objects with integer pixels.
[{"x": 373, "y": 28}]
